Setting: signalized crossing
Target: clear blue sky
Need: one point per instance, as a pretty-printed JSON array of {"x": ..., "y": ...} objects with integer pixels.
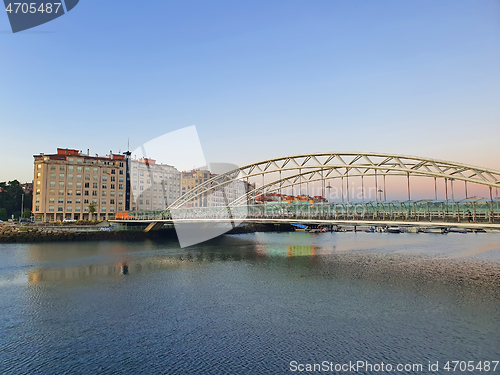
[{"x": 259, "y": 79}]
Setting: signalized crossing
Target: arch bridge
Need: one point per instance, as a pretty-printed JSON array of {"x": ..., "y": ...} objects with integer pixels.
[{"x": 273, "y": 177}]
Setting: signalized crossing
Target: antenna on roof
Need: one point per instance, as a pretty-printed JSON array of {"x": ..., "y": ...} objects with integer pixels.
[{"x": 128, "y": 144}]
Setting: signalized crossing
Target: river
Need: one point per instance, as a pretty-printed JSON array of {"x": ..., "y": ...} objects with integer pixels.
[{"x": 256, "y": 303}]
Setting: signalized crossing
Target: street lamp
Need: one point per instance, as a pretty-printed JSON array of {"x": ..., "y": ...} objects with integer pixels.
[
  {"x": 329, "y": 192},
  {"x": 380, "y": 191}
]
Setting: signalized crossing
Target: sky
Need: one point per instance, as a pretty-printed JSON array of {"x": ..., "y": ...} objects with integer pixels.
[{"x": 258, "y": 79}]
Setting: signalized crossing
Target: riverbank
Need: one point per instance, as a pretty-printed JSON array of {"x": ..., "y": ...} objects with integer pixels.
[{"x": 11, "y": 234}]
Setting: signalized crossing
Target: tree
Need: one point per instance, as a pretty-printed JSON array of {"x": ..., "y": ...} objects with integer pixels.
[
  {"x": 92, "y": 209},
  {"x": 27, "y": 213},
  {"x": 3, "y": 214}
]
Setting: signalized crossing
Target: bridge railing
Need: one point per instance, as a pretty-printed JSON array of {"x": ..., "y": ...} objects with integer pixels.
[{"x": 479, "y": 211}]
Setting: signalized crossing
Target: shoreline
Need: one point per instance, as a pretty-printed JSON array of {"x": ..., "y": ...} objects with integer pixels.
[{"x": 18, "y": 235}]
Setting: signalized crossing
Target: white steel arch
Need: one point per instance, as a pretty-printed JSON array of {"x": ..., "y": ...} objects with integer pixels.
[{"x": 327, "y": 166}]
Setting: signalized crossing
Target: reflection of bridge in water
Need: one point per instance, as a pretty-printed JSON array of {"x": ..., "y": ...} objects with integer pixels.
[{"x": 370, "y": 173}]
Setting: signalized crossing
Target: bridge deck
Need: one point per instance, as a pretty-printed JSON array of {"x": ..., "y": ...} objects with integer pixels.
[{"x": 423, "y": 224}]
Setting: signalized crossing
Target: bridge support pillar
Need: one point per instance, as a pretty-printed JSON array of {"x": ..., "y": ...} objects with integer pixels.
[{"x": 155, "y": 225}]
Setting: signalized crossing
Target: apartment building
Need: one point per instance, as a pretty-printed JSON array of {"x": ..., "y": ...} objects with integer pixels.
[
  {"x": 218, "y": 197},
  {"x": 154, "y": 185},
  {"x": 67, "y": 183}
]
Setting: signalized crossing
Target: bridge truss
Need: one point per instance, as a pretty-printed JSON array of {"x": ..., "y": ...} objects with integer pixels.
[{"x": 288, "y": 172}]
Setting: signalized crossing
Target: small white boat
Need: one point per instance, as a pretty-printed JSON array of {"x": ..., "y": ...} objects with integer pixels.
[
  {"x": 394, "y": 230},
  {"x": 436, "y": 230}
]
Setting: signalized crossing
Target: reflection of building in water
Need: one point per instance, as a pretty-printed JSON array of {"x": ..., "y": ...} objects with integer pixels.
[
  {"x": 300, "y": 250},
  {"x": 154, "y": 185},
  {"x": 74, "y": 273}
]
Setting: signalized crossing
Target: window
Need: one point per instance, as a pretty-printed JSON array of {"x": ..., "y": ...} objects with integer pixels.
[
  {"x": 39, "y": 166},
  {"x": 70, "y": 185},
  {"x": 87, "y": 169},
  {"x": 87, "y": 177},
  {"x": 111, "y": 209},
  {"x": 103, "y": 201},
  {"x": 112, "y": 186},
  {"x": 85, "y": 201},
  {"x": 61, "y": 168},
  {"x": 52, "y": 167},
  {"x": 70, "y": 176},
  {"x": 112, "y": 178},
  {"x": 120, "y": 193},
  {"x": 61, "y": 184},
  {"x": 86, "y": 192},
  {"x": 120, "y": 186},
  {"x": 79, "y": 185},
  {"x": 104, "y": 186},
  {"x": 112, "y": 171},
  {"x": 60, "y": 209},
  {"x": 105, "y": 178},
  {"x": 77, "y": 209},
  {"x": 52, "y": 184},
  {"x": 121, "y": 171},
  {"x": 38, "y": 182},
  {"x": 78, "y": 200},
  {"x": 94, "y": 201},
  {"x": 52, "y": 176},
  {"x": 70, "y": 160},
  {"x": 95, "y": 178},
  {"x": 79, "y": 169},
  {"x": 120, "y": 201},
  {"x": 37, "y": 191},
  {"x": 86, "y": 209},
  {"x": 94, "y": 185},
  {"x": 37, "y": 208},
  {"x": 121, "y": 165},
  {"x": 147, "y": 201},
  {"x": 141, "y": 181},
  {"x": 51, "y": 200},
  {"x": 51, "y": 208},
  {"x": 95, "y": 170},
  {"x": 61, "y": 192},
  {"x": 94, "y": 193},
  {"x": 103, "y": 193},
  {"x": 69, "y": 208},
  {"x": 52, "y": 192},
  {"x": 79, "y": 161},
  {"x": 79, "y": 177},
  {"x": 103, "y": 209},
  {"x": 104, "y": 170},
  {"x": 112, "y": 194},
  {"x": 70, "y": 192},
  {"x": 78, "y": 192},
  {"x": 60, "y": 200},
  {"x": 69, "y": 200},
  {"x": 87, "y": 185},
  {"x": 120, "y": 179},
  {"x": 70, "y": 168}
]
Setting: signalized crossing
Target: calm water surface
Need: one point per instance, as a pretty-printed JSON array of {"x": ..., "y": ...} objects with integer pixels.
[{"x": 242, "y": 304}]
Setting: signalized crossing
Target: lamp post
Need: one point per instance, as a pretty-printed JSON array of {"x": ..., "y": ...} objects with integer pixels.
[
  {"x": 329, "y": 192},
  {"x": 380, "y": 191}
]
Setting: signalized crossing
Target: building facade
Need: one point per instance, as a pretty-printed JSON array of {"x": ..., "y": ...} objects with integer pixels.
[
  {"x": 154, "y": 186},
  {"x": 68, "y": 184}
]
